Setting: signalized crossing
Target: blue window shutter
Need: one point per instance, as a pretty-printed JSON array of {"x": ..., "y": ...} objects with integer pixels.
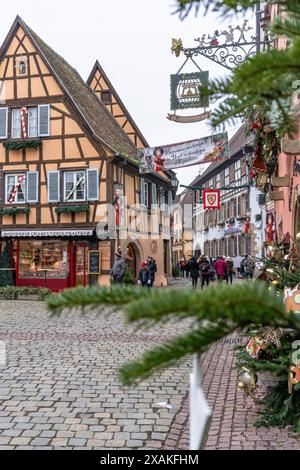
[
  {"x": 92, "y": 184},
  {"x": 53, "y": 186},
  {"x": 154, "y": 194},
  {"x": 44, "y": 120},
  {"x": 142, "y": 191},
  {"x": 3, "y": 122},
  {"x": 32, "y": 186}
]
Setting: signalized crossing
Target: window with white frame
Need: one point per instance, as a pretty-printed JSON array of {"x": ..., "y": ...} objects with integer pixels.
[
  {"x": 36, "y": 120},
  {"x": 15, "y": 188},
  {"x": 237, "y": 170},
  {"x": 32, "y": 122},
  {"x": 16, "y": 123},
  {"x": 227, "y": 177},
  {"x": 22, "y": 68},
  {"x": 74, "y": 186}
]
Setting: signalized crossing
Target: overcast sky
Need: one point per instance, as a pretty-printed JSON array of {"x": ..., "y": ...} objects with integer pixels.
[{"x": 132, "y": 40}]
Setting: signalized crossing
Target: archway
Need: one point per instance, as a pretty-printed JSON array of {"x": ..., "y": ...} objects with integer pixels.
[{"x": 133, "y": 257}]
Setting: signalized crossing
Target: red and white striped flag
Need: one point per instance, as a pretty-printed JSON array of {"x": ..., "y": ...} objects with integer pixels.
[
  {"x": 23, "y": 121},
  {"x": 21, "y": 179}
]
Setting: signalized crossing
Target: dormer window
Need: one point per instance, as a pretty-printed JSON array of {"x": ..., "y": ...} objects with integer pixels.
[
  {"x": 22, "y": 68},
  {"x": 106, "y": 97}
]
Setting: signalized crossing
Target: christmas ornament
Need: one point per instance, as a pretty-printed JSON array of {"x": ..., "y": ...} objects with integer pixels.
[
  {"x": 293, "y": 377},
  {"x": 247, "y": 381},
  {"x": 211, "y": 198},
  {"x": 272, "y": 335},
  {"x": 255, "y": 346},
  {"x": 298, "y": 237},
  {"x": 292, "y": 299}
]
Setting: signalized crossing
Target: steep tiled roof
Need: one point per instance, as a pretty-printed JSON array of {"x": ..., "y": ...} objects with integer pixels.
[{"x": 101, "y": 123}]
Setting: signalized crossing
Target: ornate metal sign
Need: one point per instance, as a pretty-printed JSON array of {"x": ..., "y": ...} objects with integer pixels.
[
  {"x": 189, "y": 119},
  {"x": 185, "y": 90}
]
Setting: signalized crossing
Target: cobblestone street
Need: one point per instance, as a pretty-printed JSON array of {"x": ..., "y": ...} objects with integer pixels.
[{"x": 60, "y": 388}]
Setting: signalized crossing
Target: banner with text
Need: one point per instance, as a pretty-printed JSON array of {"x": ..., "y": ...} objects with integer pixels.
[{"x": 168, "y": 157}]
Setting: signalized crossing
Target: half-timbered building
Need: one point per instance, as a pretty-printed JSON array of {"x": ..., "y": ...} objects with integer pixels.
[{"x": 68, "y": 151}]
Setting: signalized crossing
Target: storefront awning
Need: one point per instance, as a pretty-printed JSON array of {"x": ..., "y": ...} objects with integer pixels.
[{"x": 46, "y": 233}]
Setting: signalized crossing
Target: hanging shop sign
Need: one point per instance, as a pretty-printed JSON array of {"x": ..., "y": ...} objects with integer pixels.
[
  {"x": 189, "y": 119},
  {"x": 185, "y": 90},
  {"x": 211, "y": 198},
  {"x": 207, "y": 149}
]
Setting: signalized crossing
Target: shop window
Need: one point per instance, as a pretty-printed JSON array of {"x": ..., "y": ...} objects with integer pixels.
[
  {"x": 43, "y": 259},
  {"x": 74, "y": 186}
]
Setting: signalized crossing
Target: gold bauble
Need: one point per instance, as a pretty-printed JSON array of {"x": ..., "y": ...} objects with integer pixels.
[
  {"x": 275, "y": 283},
  {"x": 297, "y": 237},
  {"x": 241, "y": 385}
]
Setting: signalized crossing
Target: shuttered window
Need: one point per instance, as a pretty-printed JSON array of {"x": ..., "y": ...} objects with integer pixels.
[
  {"x": 32, "y": 186},
  {"x": 44, "y": 120},
  {"x": 154, "y": 194},
  {"x": 92, "y": 184},
  {"x": 3, "y": 123},
  {"x": 142, "y": 191},
  {"x": 53, "y": 186}
]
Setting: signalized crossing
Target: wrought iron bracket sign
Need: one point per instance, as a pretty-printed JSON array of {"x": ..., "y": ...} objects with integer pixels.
[{"x": 230, "y": 47}]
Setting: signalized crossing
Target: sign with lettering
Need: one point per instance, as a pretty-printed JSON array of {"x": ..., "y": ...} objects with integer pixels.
[
  {"x": 185, "y": 90},
  {"x": 46, "y": 233},
  {"x": 94, "y": 262}
]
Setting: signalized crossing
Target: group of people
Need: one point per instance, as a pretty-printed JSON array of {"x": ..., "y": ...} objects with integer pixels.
[
  {"x": 146, "y": 275},
  {"x": 208, "y": 269}
]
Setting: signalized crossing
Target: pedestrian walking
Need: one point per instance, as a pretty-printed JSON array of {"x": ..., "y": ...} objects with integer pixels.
[
  {"x": 249, "y": 267},
  {"x": 194, "y": 271},
  {"x": 152, "y": 269},
  {"x": 118, "y": 268},
  {"x": 187, "y": 269},
  {"x": 230, "y": 266},
  {"x": 221, "y": 268},
  {"x": 205, "y": 270},
  {"x": 182, "y": 266},
  {"x": 143, "y": 278}
]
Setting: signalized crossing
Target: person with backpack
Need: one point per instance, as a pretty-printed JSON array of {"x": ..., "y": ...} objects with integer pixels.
[
  {"x": 143, "y": 275},
  {"x": 249, "y": 267},
  {"x": 118, "y": 268},
  {"x": 205, "y": 271},
  {"x": 230, "y": 266},
  {"x": 194, "y": 271}
]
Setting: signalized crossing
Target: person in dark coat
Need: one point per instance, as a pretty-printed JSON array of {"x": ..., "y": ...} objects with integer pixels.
[
  {"x": 194, "y": 271},
  {"x": 152, "y": 269},
  {"x": 205, "y": 270},
  {"x": 143, "y": 275},
  {"x": 230, "y": 267}
]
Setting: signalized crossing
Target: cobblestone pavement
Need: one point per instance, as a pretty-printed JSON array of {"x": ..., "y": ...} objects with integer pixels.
[
  {"x": 232, "y": 422},
  {"x": 60, "y": 388}
]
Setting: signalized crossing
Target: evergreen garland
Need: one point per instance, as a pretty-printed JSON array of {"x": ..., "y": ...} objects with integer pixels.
[
  {"x": 72, "y": 209},
  {"x": 14, "y": 210},
  {"x": 22, "y": 144}
]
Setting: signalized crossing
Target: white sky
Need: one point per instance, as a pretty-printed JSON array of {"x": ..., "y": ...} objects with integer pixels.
[{"x": 132, "y": 40}]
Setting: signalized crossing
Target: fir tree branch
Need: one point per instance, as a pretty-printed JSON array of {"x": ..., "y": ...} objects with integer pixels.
[{"x": 161, "y": 356}]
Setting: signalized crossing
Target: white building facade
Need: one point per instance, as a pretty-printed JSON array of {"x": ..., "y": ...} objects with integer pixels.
[{"x": 237, "y": 228}]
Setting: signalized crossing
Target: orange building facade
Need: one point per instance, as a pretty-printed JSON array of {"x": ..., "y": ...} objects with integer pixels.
[{"x": 67, "y": 153}]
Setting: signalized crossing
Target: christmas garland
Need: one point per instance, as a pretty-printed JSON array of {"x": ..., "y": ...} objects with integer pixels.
[
  {"x": 266, "y": 144},
  {"x": 72, "y": 209},
  {"x": 14, "y": 210},
  {"x": 22, "y": 144}
]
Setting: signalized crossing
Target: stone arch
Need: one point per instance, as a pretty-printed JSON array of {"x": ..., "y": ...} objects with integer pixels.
[{"x": 133, "y": 254}]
